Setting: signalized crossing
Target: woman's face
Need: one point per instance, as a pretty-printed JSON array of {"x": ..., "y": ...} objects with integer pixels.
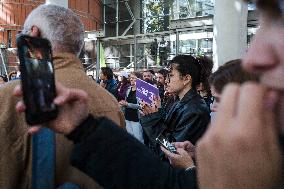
[
  {"x": 102, "y": 76},
  {"x": 175, "y": 82},
  {"x": 133, "y": 80},
  {"x": 120, "y": 78},
  {"x": 217, "y": 98}
]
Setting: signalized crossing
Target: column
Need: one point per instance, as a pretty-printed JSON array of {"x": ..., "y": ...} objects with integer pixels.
[
  {"x": 230, "y": 31},
  {"x": 136, "y": 9},
  {"x": 63, "y": 3}
]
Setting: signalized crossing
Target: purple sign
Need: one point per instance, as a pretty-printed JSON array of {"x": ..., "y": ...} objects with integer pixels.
[{"x": 146, "y": 91}]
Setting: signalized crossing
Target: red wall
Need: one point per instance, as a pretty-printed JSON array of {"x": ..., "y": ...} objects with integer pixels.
[{"x": 14, "y": 12}]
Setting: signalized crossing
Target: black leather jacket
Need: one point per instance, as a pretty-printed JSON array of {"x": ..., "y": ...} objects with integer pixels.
[
  {"x": 186, "y": 120},
  {"x": 133, "y": 167}
]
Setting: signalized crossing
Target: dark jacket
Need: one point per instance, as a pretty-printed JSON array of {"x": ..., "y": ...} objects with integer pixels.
[
  {"x": 111, "y": 86},
  {"x": 116, "y": 160},
  {"x": 186, "y": 120},
  {"x": 161, "y": 92},
  {"x": 121, "y": 92}
]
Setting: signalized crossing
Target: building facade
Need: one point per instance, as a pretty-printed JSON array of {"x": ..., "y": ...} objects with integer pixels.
[{"x": 14, "y": 12}]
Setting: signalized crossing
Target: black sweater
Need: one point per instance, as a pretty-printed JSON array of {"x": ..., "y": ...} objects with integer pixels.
[{"x": 116, "y": 160}]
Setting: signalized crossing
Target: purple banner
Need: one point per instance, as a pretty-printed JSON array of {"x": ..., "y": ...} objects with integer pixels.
[{"x": 146, "y": 91}]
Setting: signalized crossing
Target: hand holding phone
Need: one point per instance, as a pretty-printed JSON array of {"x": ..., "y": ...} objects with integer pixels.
[{"x": 166, "y": 144}]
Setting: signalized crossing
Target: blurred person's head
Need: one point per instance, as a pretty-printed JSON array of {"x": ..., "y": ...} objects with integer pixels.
[
  {"x": 12, "y": 75},
  {"x": 147, "y": 75},
  {"x": 230, "y": 72},
  {"x": 207, "y": 65},
  {"x": 123, "y": 80},
  {"x": 265, "y": 55},
  {"x": 185, "y": 73},
  {"x": 106, "y": 73},
  {"x": 61, "y": 26},
  {"x": 161, "y": 77},
  {"x": 2, "y": 79},
  {"x": 133, "y": 77},
  {"x": 123, "y": 77}
]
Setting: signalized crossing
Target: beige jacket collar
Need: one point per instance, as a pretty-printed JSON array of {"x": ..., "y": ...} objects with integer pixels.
[{"x": 61, "y": 60}]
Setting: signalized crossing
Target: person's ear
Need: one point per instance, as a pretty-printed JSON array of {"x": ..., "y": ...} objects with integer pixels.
[
  {"x": 187, "y": 80},
  {"x": 35, "y": 32}
]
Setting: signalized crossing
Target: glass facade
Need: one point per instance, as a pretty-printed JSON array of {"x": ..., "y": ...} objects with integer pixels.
[
  {"x": 157, "y": 14},
  {"x": 168, "y": 28}
]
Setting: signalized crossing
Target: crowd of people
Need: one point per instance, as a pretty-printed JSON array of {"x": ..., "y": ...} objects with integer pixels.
[{"x": 241, "y": 146}]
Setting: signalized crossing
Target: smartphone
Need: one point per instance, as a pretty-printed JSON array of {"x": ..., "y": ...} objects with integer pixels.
[
  {"x": 37, "y": 78},
  {"x": 166, "y": 144}
]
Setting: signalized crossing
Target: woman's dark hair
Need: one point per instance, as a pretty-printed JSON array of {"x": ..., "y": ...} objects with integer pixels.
[
  {"x": 107, "y": 72},
  {"x": 124, "y": 80},
  {"x": 137, "y": 74},
  {"x": 164, "y": 72},
  {"x": 206, "y": 70},
  {"x": 230, "y": 72},
  {"x": 197, "y": 68},
  {"x": 11, "y": 74}
]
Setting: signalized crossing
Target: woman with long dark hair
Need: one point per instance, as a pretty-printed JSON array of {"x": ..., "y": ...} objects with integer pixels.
[{"x": 123, "y": 85}]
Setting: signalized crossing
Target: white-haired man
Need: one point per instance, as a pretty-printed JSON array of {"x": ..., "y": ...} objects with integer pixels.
[{"x": 66, "y": 33}]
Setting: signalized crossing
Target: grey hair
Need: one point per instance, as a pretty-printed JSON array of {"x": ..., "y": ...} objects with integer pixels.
[{"x": 59, "y": 25}]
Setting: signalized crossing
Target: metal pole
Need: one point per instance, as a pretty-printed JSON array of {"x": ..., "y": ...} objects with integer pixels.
[
  {"x": 177, "y": 42},
  {"x": 3, "y": 62},
  {"x": 117, "y": 20},
  {"x": 132, "y": 18},
  {"x": 104, "y": 16},
  {"x": 177, "y": 10},
  {"x": 131, "y": 54},
  {"x": 135, "y": 53},
  {"x": 145, "y": 57},
  {"x": 98, "y": 59}
]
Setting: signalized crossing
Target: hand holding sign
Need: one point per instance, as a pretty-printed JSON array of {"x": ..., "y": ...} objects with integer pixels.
[
  {"x": 148, "y": 97},
  {"x": 147, "y": 109},
  {"x": 146, "y": 92}
]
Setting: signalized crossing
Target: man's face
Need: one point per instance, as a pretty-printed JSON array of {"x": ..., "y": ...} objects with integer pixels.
[
  {"x": 266, "y": 57},
  {"x": 160, "y": 79},
  {"x": 147, "y": 76}
]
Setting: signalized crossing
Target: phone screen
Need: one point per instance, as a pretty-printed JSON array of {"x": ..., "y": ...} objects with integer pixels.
[
  {"x": 166, "y": 144},
  {"x": 37, "y": 76}
]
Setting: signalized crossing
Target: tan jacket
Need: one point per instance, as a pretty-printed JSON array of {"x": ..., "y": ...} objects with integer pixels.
[{"x": 15, "y": 143}]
